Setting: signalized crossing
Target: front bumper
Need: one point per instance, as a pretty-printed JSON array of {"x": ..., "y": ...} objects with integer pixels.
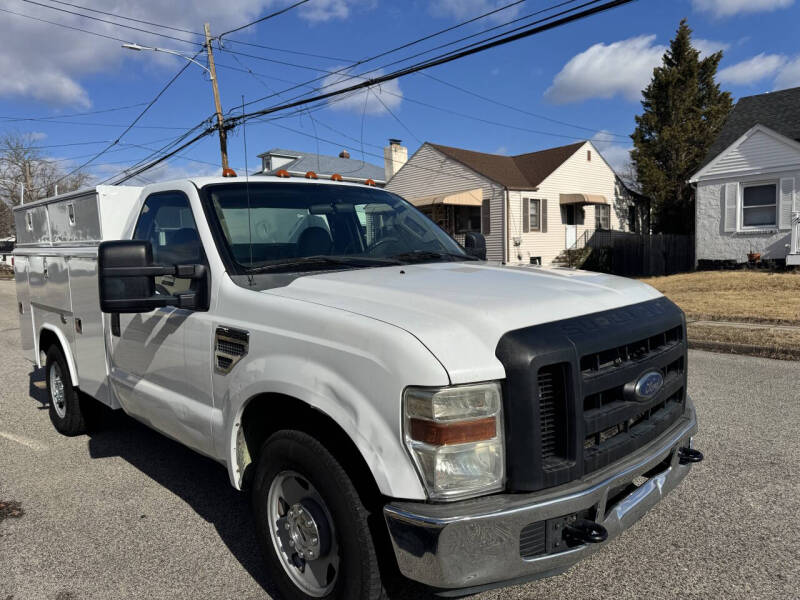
[{"x": 475, "y": 544}]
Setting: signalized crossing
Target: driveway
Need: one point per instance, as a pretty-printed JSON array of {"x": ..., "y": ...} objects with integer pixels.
[{"x": 127, "y": 513}]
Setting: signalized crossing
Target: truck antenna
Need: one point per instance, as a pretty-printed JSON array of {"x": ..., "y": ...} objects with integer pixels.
[{"x": 250, "y": 279}]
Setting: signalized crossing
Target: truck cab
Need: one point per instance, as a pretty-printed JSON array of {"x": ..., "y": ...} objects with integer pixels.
[{"x": 389, "y": 400}]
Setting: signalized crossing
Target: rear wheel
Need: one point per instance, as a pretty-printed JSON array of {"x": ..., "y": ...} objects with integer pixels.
[
  {"x": 65, "y": 404},
  {"x": 311, "y": 523}
]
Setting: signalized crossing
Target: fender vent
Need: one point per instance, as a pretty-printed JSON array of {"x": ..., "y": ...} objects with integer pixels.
[{"x": 230, "y": 346}]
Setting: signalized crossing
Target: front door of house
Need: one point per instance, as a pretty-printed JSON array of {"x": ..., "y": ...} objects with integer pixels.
[{"x": 570, "y": 221}]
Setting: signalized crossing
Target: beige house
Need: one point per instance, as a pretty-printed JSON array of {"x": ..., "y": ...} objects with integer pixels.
[{"x": 531, "y": 207}]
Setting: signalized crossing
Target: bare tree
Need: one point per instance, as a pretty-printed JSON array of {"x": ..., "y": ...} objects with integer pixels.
[{"x": 23, "y": 166}]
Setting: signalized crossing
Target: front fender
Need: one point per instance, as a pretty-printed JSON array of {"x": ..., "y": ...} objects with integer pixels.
[
  {"x": 350, "y": 367},
  {"x": 376, "y": 440}
]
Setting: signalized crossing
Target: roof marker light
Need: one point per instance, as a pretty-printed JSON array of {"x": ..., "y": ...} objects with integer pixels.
[
  {"x": 311, "y": 175},
  {"x": 370, "y": 182},
  {"x": 283, "y": 173},
  {"x": 336, "y": 177},
  {"x": 228, "y": 173}
]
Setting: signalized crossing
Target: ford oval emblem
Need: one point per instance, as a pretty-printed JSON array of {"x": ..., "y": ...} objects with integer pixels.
[{"x": 648, "y": 385}]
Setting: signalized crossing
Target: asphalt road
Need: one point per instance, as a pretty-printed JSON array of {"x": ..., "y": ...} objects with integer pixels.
[{"x": 126, "y": 513}]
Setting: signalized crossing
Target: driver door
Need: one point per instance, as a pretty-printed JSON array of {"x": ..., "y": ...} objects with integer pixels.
[{"x": 149, "y": 370}]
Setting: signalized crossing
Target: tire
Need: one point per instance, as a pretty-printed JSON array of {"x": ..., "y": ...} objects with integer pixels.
[
  {"x": 297, "y": 477},
  {"x": 66, "y": 411}
]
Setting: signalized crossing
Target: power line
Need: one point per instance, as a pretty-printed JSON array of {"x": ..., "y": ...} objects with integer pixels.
[
  {"x": 167, "y": 156},
  {"x": 515, "y": 108},
  {"x": 132, "y": 27},
  {"x": 450, "y": 57},
  {"x": 95, "y": 33},
  {"x": 108, "y": 14},
  {"x": 285, "y": 50},
  {"x": 457, "y": 54},
  {"x": 423, "y": 39},
  {"x": 80, "y": 114},
  {"x": 264, "y": 18},
  {"x": 133, "y": 123}
]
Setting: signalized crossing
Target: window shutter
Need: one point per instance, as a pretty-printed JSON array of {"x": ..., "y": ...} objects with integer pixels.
[
  {"x": 785, "y": 203},
  {"x": 486, "y": 217},
  {"x": 526, "y": 215},
  {"x": 731, "y": 205},
  {"x": 543, "y": 216}
]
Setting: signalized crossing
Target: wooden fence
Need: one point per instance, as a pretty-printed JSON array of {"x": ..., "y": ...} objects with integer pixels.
[{"x": 638, "y": 255}]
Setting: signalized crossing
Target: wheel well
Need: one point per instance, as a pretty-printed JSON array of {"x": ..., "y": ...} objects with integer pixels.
[
  {"x": 268, "y": 413},
  {"x": 47, "y": 338}
]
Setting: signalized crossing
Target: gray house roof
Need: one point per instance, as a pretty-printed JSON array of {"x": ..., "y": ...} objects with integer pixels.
[
  {"x": 324, "y": 165},
  {"x": 780, "y": 111}
]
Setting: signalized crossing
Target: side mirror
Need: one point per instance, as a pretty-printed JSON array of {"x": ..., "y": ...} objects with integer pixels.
[
  {"x": 126, "y": 276},
  {"x": 475, "y": 244}
]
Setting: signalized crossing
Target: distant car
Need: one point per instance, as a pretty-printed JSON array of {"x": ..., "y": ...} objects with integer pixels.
[{"x": 388, "y": 398}]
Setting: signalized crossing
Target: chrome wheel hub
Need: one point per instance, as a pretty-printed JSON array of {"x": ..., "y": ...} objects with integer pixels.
[
  {"x": 57, "y": 394},
  {"x": 302, "y": 533}
]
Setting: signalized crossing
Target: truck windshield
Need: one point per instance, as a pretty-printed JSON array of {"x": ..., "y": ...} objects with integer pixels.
[{"x": 285, "y": 226}]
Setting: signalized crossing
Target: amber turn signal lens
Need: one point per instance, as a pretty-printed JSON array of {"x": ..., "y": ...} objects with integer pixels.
[{"x": 443, "y": 434}]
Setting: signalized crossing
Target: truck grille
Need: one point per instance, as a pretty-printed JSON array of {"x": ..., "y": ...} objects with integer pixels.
[
  {"x": 570, "y": 393},
  {"x": 615, "y": 422},
  {"x": 553, "y": 415}
]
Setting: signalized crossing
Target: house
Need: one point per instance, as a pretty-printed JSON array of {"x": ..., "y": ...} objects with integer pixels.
[
  {"x": 747, "y": 198},
  {"x": 298, "y": 163},
  {"x": 530, "y": 207}
]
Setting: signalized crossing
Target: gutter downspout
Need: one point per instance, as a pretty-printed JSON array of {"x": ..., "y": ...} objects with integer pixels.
[{"x": 506, "y": 208}]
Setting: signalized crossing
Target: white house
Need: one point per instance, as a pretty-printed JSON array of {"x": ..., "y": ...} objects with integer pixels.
[
  {"x": 747, "y": 198},
  {"x": 530, "y": 207}
]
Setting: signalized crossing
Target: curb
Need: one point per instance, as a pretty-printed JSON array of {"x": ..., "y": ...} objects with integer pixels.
[{"x": 747, "y": 349}]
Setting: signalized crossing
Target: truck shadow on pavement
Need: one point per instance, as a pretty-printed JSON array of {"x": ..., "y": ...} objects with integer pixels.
[{"x": 199, "y": 481}]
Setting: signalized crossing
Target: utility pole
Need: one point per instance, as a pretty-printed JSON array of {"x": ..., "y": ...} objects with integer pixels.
[{"x": 223, "y": 135}]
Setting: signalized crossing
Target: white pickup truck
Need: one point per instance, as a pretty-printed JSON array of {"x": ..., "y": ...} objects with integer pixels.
[{"x": 390, "y": 401}]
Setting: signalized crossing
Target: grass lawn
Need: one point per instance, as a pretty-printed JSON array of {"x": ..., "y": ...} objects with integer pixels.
[
  {"x": 734, "y": 295},
  {"x": 743, "y": 296}
]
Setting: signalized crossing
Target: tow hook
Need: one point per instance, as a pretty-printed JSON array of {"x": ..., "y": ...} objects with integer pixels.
[
  {"x": 689, "y": 455},
  {"x": 584, "y": 531}
]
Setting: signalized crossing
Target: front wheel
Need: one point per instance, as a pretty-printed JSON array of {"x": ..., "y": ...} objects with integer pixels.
[{"x": 311, "y": 523}]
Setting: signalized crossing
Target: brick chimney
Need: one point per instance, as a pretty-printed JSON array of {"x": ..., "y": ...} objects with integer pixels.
[
  {"x": 344, "y": 154},
  {"x": 394, "y": 156}
]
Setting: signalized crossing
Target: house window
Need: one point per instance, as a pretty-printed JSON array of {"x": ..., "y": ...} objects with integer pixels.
[
  {"x": 468, "y": 218},
  {"x": 760, "y": 205},
  {"x": 535, "y": 214},
  {"x": 602, "y": 214}
]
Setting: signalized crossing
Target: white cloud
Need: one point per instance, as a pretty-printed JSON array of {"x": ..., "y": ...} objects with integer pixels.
[
  {"x": 606, "y": 70},
  {"x": 47, "y": 63},
  {"x": 709, "y": 47},
  {"x": 752, "y": 70},
  {"x": 375, "y": 97},
  {"x": 728, "y": 8},
  {"x": 325, "y": 10},
  {"x": 461, "y": 10},
  {"x": 789, "y": 75},
  {"x": 617, "y": 155},
  {"x": 501, "y": 150}
]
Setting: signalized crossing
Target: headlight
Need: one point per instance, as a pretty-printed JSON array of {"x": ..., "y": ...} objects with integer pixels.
[{"x": 455, "y": 436}]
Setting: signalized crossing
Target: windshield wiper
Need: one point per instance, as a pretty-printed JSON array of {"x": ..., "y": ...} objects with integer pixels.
[
  {"x": 428, "y": 255},
  {"x": 324, "y": 259}
]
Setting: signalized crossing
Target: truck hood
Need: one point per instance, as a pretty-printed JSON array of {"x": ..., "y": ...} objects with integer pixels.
[{"x": 460, "y": 310}]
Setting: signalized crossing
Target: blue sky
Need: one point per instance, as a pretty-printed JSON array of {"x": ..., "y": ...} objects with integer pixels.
[{"x": 582, "y": 80}]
